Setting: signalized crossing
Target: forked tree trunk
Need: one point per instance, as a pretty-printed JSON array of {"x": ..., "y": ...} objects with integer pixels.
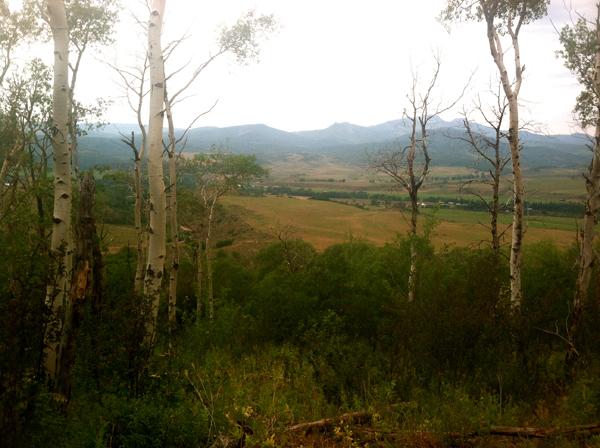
[
  {"x": 61, "y": 228},
  {"x": 137, "y": 175},
  {"x": 158, "y": 204},
  {"x": 512, "y": 92}
]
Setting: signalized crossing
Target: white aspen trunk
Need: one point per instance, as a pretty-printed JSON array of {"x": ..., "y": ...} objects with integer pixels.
[
  {"x": 139, "y": 271},
  {"x": 137, "y": 174},
  {"x": 587, "y": 256},
  {"x": 511, "y": 93},
  {"x": 157, "y": 205},
  {"x": 61, "y": 228},
  {"x": 174, "y": 222},
  {"x": 519, "y": 206},
  {"x": 74, "y": 110}
]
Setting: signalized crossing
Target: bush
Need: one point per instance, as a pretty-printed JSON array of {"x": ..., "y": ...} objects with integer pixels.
[{"x": 224, "y": 243}]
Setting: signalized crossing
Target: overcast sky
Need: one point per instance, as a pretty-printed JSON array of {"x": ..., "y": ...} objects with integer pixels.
[{"x": 336, "y": 61}]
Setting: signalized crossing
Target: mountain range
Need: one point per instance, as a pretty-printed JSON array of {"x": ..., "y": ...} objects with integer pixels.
[{"x": 341, "y": 143}]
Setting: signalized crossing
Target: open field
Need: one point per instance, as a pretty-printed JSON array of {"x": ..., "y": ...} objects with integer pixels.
[
  {"x": 542, "y": 184},
  {"x": 323, "y": 223}
]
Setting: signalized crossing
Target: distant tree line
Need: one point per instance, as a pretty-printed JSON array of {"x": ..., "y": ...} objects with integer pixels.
[{"x": 544, "y": 208}]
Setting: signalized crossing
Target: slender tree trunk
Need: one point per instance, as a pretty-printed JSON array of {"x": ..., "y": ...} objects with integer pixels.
[
  {"x": 74, "y": 110},
  {"x": 61, "y": 228},
  {"x": 519, "y": 205},
  {"x": 137, "y": 174},
  {"x": 85, "y": 237},
  {"x": 496, "y": 207},
  {"x": 199, "y": 284},
  {"x": 18, "y": 147},
  {"x": 412, "y": 276},
  {"x": 158, "y": 205},
  {"x": 211, "y": 301},
  {"x": 139, "y": 232},
  {"x": 511, "y": 91},
  {"x": 587, "y": 255},
  {"x": 172, "y": 205}
]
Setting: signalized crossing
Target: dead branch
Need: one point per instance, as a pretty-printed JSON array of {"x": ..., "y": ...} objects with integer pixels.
[{"x": 327, "y": 425}]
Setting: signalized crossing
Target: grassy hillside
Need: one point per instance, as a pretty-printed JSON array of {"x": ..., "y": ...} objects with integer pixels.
[{"x": 325, "y": 223}]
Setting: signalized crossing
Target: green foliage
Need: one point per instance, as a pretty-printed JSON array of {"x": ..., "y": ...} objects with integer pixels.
[
  {"x": 223, "y": 243},
  {"x": 580, "y": 41},
  {"x": 244, "y": 37},
  {"x": 461, "y": 10}
]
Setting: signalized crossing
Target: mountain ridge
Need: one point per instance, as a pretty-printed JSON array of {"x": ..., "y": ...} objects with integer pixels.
[{"x": 344, "y": 142}]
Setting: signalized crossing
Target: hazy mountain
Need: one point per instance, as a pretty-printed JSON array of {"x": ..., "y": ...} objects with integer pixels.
[{"x": 343, "y": 142}]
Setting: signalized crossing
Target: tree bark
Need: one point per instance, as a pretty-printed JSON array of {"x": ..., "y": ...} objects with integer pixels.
[
  {"x": 587, "y": 255},
  {"x": 211, "y": 299},
  {"x": 172, "y": 206},
  {"x": 139, "y": 232},
  {"x": 157, "y": 205},
  {"x": 512, "y": 92},
  {"x": 199, "y": 283},
  {"x": 61, "y": 228},
  {"x": 80, "y": 284},
  {"x": 326, "y": 425}
]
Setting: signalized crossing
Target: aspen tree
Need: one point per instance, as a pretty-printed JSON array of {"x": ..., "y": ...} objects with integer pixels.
[
  {"x": 488, "y": 147},
  {"x": 55, "y": 15},
  {"x": 408, "y": 166},
  {"x": 133, "y": 83},
  {"x": 581, "y": 53},
  {"x": 157, "y": 201},
  {"x": 216, "y": 174},
  {"x": 243, "y": 41},
  {"x": 91, "y": 24},
  {"x": 505, "y": 17}
]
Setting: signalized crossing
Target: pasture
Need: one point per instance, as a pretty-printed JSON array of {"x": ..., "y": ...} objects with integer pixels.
[{"x": 323, "y": 223}]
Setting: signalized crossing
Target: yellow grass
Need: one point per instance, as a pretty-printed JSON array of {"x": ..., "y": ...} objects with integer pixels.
[
  {"x": 118, "y": 236},
  {"x": 323, "y": 223}
]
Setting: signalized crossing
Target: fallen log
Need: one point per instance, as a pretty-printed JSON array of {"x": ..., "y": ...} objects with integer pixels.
[
  {"x": 362, "y": 417},
  {"x": 326, "y": 425},
  {"x": 593, "y": 428}
]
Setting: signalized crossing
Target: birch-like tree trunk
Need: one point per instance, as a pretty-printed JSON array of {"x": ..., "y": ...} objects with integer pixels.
[
  {"x": 133, "y": 82},
  {"x": 172, "y": 206},
  {"x": 483, "y": 145},
  {"x": 139, "y": 232},
  {"x": 511, "y": 90},
  {"x": 587, "y": 255},
  {"x": 157, "y": 202},
  {"x": 408, "y": 167},
  {"x": 61, "y": 228}
]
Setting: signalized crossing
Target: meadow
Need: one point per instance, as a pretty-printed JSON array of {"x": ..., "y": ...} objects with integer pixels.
[{"x": 324, "y": 223}]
